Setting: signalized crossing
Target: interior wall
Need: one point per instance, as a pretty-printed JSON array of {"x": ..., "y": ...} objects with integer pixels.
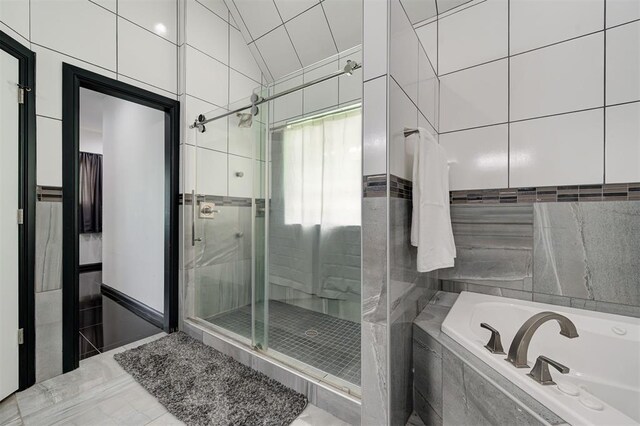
[
  {"x": 539, "y": 93},
  {"x": 102, "y": 38},
  {"x": 133, "y": 201}
]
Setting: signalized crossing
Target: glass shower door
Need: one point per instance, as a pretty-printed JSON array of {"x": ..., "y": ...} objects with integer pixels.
[{"x": 228, "y": 241}]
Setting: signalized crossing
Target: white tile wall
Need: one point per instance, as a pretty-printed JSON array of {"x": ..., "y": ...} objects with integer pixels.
[
  {"x": 287, "y": 106},
  {"x": 403, "y": 51},
  {"x": 241, "y": 87},
  {"x": 622, "y": 143},
  {"x": 350, "y": 87},
  {"x": 215, "y": 136},
  {"x": 621, "y": 11},
  {"x": 49, "y": 79},
  {"x": 374, "y": 140},
  {"x": 479, "y": 158},
  {"x": 428, "y": 36},
  {"x": 218, "y": 7},
  {"x": 428, "y": 87},
  {"x": 242, "y": 139},
  {"x": 477, "y": 35},
  {"x": 158, "y": 66},
  {"x": 324, "y": 95},
  {"x": 375, "y": 14},
  {"x": 474, "y": 97},
  {"x": 311, "y": 36},
  {"x": 161, "y": 17},
  {"x": 402, "y": 113},
  {"x": 211, "y": 172},
  {"x": 67, "y": 33},
  {"x": 537, "y": 23},
  {"x": 111, "y": 5},
  {"x": 206, "y": 78},
  {"x": 207, "y": 32},
  {"x": 623, "y": 63},
  {"x": 15, "y": 14},
  {"x": 565, "y": 149},
  {"x": 240, "y": 57},
  {"x": 240, "y": 176},
  {"x": 564, "y": 77},
  {"x": 49, "y": 151}
]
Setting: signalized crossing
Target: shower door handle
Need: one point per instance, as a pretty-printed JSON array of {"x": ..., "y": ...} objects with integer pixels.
[{"x": 194, "y": 203}]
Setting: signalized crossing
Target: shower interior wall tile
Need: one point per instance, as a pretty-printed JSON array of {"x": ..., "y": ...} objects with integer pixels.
[{"x": 48, "y": 334}]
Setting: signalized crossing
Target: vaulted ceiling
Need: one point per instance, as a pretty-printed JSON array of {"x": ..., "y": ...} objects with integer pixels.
[{"x": 287, "y": 35}]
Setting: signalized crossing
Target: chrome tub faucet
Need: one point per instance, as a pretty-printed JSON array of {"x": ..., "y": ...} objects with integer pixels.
[{"x": 520, "y": 344}]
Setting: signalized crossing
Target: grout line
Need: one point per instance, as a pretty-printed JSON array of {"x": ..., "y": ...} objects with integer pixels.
[
  {"x": 419, "y": 42},
  {"x": 329, "y": 26},
  {"x": 222, "y": 63},
  {"x": 49, "y": 117},
  {"x": 604, "y": 98},
  {"x": 73, "y": 57},
  {"x": 289, "y": 35},
  {"x": 228, "y": 21},
  {"x": 508, "y": 93}
]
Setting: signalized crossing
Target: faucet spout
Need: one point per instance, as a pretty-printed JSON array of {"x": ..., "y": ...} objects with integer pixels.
[{"x": 520, "y": 344}]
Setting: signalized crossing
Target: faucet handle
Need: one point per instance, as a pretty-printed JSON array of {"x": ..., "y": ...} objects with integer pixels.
[
  {"x": 495, "y": 345},
  {"x": 540, "y": 371}
]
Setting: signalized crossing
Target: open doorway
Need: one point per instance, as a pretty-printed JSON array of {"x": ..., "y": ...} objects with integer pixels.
[{"x": 119, "y": 214}]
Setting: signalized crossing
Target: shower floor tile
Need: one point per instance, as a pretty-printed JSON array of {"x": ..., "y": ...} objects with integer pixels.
[{"x": 325, "y": 342}]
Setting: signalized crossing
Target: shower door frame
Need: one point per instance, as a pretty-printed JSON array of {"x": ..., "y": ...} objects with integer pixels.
[{"x": 74, "y": 78}]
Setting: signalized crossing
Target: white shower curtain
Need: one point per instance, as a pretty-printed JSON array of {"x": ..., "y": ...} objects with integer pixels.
[
  {"x": 316, "y": 247},
  {"x": 322, "y": 171}
]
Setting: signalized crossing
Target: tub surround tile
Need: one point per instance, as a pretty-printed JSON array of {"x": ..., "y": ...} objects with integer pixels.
[
  {"x": 374, "y": 260},
  {"x": 48, "y": 334},
  {"x": 471, "y": 390},
  {"x": 588, "y": 251},
  {"x": 374, "y": 374}
]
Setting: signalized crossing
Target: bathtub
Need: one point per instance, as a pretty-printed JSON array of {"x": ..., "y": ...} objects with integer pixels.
[{"x": 603, "y": 386}]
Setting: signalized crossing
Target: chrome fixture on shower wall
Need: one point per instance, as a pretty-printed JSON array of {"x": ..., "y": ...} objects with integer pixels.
[{"x": 256, "y": 100}]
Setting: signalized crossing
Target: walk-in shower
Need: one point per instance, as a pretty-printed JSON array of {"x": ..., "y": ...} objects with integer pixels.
[{"x": 275, "y": 262}]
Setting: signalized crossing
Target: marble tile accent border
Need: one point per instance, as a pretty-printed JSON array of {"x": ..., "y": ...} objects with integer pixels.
[
  {"x": 49, "y": 193},
  {"x": 400, "y": 188},
  {"x": 345, "y": 407},
  {"x": 374, "y": 186},
  {"x": 219, "y": 200},
  {"x": 549, "y": 194}
]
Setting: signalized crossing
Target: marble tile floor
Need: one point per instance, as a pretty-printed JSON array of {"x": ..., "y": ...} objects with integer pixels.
[{"x": 100, "y": 392}]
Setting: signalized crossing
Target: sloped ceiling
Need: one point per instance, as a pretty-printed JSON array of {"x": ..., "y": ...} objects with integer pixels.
[
  {"x": 421, "y": 10},
  {"x": 287, "y": 35}
]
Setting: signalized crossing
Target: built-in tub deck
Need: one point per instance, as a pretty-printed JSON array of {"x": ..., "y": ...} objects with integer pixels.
[{"x": 453, "y": 386}]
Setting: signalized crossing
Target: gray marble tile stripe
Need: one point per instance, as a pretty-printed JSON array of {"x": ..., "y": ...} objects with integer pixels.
[
  {"x": 220, "y": 200},
  {"x": 49, "y": 193}
]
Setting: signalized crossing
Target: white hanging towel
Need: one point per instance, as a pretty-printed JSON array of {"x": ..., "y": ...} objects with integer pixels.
[{"x": 431, "y": 228}]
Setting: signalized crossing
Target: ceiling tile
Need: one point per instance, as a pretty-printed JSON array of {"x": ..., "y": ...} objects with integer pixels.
[
  {"x": 311, "y": 36},
  {"x": 290, "y": 8},
  {"x": 419, "y": 10},
  {"x": 345, "y": 20},
  {"x": 260, "y": 16},
  {"x": 278, "y": 53}
]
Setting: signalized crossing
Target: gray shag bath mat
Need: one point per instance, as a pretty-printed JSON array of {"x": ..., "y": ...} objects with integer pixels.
[{"x": 202, "y": 386}]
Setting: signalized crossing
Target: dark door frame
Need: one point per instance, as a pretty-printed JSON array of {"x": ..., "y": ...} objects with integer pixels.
[
  {"x": 27, "y": 190},
  {"x": 74, "y": 78}
]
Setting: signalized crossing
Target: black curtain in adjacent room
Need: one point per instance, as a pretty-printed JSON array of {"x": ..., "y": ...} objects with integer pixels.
[{"x": 90, "y": 193}]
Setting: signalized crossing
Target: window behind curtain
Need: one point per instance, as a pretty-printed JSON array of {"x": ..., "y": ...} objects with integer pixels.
[{"x": 322, "y": 170}]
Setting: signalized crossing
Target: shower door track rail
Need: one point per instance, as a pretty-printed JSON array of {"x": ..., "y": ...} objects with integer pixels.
[{"x": 348, "y": 69}]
